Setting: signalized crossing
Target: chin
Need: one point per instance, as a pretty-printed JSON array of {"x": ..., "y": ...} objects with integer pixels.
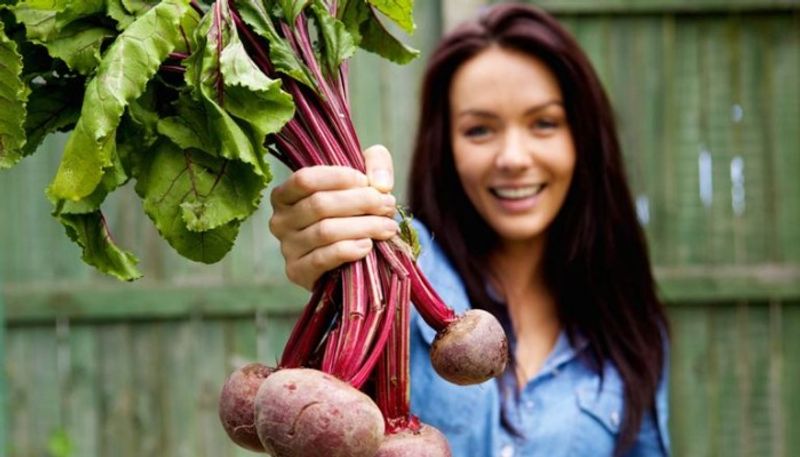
[{"x": 519, "y": 233}]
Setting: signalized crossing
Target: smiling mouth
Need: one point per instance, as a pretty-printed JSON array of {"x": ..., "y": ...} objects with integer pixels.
[{"x": 517, "y": 193}]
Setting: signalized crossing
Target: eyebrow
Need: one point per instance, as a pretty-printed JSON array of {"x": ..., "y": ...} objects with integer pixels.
[{"x": 529, "y": 111}]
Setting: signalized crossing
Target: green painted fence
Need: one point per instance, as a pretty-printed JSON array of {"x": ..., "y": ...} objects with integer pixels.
[{"x": 707, "y": 95}]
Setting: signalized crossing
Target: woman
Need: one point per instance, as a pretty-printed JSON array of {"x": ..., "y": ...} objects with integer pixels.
[{"x": 518, "y": 185}]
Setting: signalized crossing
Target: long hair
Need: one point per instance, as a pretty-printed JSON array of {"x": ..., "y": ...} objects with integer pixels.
[{"x": 595, "y": 260}]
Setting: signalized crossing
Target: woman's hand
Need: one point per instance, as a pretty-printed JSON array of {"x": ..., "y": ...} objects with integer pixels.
[{"x": 326, "y": 216}]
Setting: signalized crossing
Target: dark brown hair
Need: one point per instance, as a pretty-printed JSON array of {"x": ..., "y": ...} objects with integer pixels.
[{"x": 596, "y": 261}]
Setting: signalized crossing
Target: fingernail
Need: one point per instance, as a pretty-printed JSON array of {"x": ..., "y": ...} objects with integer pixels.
[
  {"x": 382, "y": 179},
  {"x": 391, "y": 225},
  {"x": 388, "y": 200},
  {"x": 364, "y": 244}
]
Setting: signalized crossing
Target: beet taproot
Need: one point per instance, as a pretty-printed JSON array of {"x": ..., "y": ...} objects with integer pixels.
[
  {"x": 471, "y": 350},
  {"x": 301, "y": 412}
]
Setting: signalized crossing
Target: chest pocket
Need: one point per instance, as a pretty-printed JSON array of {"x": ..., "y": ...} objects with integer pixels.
[
  {"x": 605, "y": 407},
  {"x": 598, "y": 422}
]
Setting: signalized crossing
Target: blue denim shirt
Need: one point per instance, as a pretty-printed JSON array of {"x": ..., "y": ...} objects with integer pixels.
[{"x": 562, "y": 411}]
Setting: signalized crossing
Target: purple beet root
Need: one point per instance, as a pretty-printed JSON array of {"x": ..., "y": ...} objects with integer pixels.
[
  {"x": 428, "y": 442},
  {"x": 236, "y": 404},
  {"x": 302, "y": 412},
  {"x": 471, "y": 350}
]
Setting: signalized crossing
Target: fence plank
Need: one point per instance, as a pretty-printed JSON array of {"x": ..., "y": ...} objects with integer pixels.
[
  {"x": 35, "y": 404},
  {"x": 5, "y": 446},
  {"x": 791, "y": 375},
  {"x": 119, "y": 431},
  {"x": 691, "y": 382},
  {"x": 83, "y": 416},
  {"x": 147, "y": 367}
]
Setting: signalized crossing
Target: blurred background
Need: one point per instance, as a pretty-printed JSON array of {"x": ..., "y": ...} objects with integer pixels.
[{"x": 707, "y": 97}]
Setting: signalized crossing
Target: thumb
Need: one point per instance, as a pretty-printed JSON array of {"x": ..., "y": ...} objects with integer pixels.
[{"x": 379, "y": 168}]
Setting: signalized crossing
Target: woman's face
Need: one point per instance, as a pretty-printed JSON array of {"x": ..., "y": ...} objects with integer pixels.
[{"x": 512, "y": 146}]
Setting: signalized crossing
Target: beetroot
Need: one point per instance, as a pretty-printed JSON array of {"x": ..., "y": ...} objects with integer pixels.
[
  {"x": 427, "y": 442},
  {"x": 470, "y": 350},
  {"x": 236, "y": 404},
  {"x": 302, "y": 412}
]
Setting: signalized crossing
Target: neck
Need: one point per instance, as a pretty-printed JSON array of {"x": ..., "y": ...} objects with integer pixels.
[
  {"x": 519, "y": 276},
  {"x": 518, "y": 266}
]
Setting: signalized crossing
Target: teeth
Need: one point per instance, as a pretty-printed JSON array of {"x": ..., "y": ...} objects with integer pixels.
[{"x": 517, "y": 192}]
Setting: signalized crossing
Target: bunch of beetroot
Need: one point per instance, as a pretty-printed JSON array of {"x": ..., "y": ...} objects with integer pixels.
[
  {"x": 186, "y": 98},
  {"x": 354, "y": 331}
]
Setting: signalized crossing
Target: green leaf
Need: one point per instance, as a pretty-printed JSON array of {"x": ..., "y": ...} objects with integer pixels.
[
  {"x": 13, "y": 97},
  {"x": 60, "y": 444},
  {"x": 250, "y": 95},
  {"x": 75, "y": 10},
  {"x": 52, "y": 106},
  {"x": 337, "y": 43},
  {"x": 196, "y": 200},
  {"x": 139, "y": 7},
  {"x": 39, "y": 17},
  {"x": 144, "y": 113},
  {"x": 117, "y": 11},
  {"x": 408, "y": 233},
  {"x": 113, "y": 177},
  {"x": 366, "y": 28},
  {"x": 126, "y": 11},
  {"x": 291, "y": 9},
  {"x": 375, "y": 38},
  {"x": 43, "y": 19},
  {"x": 400, "y": 11},
  {"x": 241, "y": 104},
  {"x": 189, "y": 129},
  {"x": 78, "y": 45},
  {"x": 99, "y": 249},
  {"x": 127, "y": 66},
  {"x": 284, "y": 60}
]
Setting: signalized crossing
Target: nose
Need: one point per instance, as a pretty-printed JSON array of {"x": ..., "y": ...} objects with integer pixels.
[{"x": 513, "y": 155}]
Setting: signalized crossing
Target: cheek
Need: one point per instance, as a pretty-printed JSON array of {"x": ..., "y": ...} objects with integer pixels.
[
  {"x": 563, "y": 164},
  {"x": 466, "y": 164}
]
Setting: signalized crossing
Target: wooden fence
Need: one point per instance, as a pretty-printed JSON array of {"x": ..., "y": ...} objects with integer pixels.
[{"x": 707, "y": 95}]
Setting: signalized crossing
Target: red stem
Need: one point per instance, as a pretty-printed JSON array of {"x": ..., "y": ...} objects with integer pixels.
[
  {"x": 430, "y": 306},
  {"x": 309, "y": 330},
  {"x": 387, "y": 319}
]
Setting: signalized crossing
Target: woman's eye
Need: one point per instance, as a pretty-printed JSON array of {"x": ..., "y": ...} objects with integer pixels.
[
  {"x": 477, "y": 131},
  {"x": 545, "y": 124}
]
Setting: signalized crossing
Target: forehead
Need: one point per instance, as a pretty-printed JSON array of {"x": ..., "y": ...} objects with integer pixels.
[{"x": 499, "y": 77}]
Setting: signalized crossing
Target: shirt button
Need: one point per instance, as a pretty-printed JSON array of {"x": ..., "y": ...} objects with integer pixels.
[
  {"x": 507, "y": 451},
  {"x": 614, "y": 419}
]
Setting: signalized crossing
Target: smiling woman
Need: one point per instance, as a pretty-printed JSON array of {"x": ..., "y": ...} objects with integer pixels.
[{"x": 523, "y": 210}]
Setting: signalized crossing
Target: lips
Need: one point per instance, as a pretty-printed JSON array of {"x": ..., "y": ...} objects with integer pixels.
[{"x": 517, "y": 192}]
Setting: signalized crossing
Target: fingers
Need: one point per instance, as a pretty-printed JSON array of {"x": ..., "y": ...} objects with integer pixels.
[
  {"x": 334, "y": 230},
  {"x": 380, "y": 170},
  {"x": 307, "y": 269},
  {"x": 309, "y": 180},
  {"x": 331, "y": 204}
]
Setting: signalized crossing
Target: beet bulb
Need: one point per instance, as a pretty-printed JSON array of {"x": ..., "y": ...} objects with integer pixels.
[
  {"x": 427, "y": 442},
  {"x": 236, "y": 404},
  {"x": 471, "y": 350},
  {"x": 302, "y": 412}
]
